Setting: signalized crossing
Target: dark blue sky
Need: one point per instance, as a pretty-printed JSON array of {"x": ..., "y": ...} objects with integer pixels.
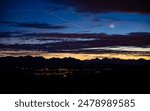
[{"x": 75, "y": 16}]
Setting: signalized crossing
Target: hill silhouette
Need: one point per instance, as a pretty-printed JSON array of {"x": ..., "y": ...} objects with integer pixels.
[{"x": 39, "y": 75}]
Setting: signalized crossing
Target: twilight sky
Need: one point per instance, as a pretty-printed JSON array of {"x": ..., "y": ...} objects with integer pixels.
[{"x": 97, "y": 28}]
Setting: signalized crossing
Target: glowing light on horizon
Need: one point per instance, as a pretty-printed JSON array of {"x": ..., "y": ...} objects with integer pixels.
[
  {"x": 121, "y": 48},
  {"x": 81, "y": 56},
  {"x": 93, "y": 56}
]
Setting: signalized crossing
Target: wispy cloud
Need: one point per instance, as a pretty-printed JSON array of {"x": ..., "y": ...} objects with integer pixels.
[
  {"x": 41, "y": 40},
  {"x": 11, "y": 34},
  {"x": 121, "y": 49},
  {"x": 34, "y": 25},
  {"x": 41, "y": 26}
]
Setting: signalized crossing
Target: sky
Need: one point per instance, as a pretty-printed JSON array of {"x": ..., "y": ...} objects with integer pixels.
[{"x": 75, "y": 28}]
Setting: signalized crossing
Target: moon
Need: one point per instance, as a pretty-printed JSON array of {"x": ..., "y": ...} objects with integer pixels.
[{"x": 112, "y": 26}]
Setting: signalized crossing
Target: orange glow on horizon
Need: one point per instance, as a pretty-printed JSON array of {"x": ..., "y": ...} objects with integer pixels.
[
  {"x": 93, "y": 56},
  {"x": 81, "y": 56}
]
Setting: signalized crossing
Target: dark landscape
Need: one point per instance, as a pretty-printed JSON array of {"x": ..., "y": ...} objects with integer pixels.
[{"x": 62, "y": 76}]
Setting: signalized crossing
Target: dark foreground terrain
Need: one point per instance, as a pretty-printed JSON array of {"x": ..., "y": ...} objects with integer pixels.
[{"x": 68, "y": 75}]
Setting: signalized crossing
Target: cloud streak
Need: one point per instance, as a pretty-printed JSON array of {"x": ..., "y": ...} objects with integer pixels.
[
  {"x": 41, "y": 40},
  {"x": 41, "y": 26},
  {"x": 34, "y": 25}
]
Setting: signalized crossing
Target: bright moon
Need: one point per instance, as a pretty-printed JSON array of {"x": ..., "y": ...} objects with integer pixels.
[{"x": 112, "y": 26}]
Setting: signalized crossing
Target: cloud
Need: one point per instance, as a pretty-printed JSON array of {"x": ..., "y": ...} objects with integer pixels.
[
  {"x": 11, "y": 34},
  {"x": 112, "y": 19},
  {"x": 33, "y": 25},
  {"x": 139, "y": 34},
  {"x": 42, "y": 40},
  {"x": 41, "y": 26},
  {"x": 56, "y": 42},
  {"x": 97, "y": 6}
]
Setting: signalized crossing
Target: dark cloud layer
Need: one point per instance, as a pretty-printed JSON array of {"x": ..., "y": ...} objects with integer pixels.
[
  {"x": 41, "y": 26},
  {"x": 97, "y": 6},
  {"x": 34, "y": 25},
  {"x": 65, "y": 43}
]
